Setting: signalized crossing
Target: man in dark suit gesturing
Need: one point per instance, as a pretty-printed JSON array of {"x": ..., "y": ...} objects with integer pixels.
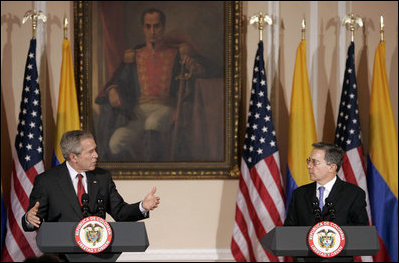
[
  {"x": 54, "y": 196},
  {"x": 328, "y": 197}
]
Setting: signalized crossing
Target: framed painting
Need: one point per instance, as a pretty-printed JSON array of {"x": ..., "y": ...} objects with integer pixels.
[{"x": 159, "y": 86}]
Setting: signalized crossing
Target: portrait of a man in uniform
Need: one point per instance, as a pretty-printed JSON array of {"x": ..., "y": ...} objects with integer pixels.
[{"x": 151, "y": 106}]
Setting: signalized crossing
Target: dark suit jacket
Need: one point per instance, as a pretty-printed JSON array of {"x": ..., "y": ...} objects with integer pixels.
[
  {"x": 59, "y": 203},
  {"x": 348, "y": 200}
]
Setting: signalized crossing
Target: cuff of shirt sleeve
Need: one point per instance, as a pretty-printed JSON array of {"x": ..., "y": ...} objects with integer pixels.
[
  {"x": 28, "y": 224},
  {"x": 143, "y": 211}
]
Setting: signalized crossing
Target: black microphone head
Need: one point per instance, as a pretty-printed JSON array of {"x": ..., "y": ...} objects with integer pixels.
[
  {"x": 85, "y": 198},
  {"x": 329, "y": 205},
  {"x": 85, "y": 205},
  {"x": 100, "y": 206},
  {"x": 316, "y": 210},
  {"x": 100, "y": 199}
]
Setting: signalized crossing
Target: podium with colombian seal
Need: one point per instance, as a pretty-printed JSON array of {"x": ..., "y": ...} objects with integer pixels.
[
  {"x": 293, "y": 241},
  {"x": 58, "y": 238}
]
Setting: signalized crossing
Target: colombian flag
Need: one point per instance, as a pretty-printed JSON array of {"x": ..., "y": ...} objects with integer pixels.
[
  {"x": 302, "y": 131},
  {"x": 382, "y": 162},
  {"x": 68, "y": 111}
]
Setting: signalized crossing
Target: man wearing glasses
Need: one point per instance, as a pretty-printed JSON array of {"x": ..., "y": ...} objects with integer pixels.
[{"x": 328, "y": 198}]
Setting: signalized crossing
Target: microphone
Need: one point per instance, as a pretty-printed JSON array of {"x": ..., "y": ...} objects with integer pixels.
[
  {"x": 316, "y": 210},
  {"x": 331, "y": 209},
  {"x": 100, "y": 206},
  {"x": 85, "y": 205}
]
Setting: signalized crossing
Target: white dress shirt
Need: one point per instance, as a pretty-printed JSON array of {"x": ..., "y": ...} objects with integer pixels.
[
  {"x": 328, "y": 186},
  {"x": 73, "y": 174}
]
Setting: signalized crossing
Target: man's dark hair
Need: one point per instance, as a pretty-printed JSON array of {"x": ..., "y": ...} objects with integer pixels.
[
  {"x": 334, "y": 154},
  {"x": 151, "y": 11}
]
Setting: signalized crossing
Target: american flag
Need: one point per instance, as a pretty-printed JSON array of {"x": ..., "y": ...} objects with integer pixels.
[
  {"x": 348, "y": 135},
  {"x": 260, "y": 202},
  {"x": 27, "y": 163}
]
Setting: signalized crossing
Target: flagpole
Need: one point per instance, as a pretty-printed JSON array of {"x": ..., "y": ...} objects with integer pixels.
[
  {"x": 35, "y": 16},
  {"x": 65, "y": 27},
  {"x": 352, "y": 22},
  {"x": 381, "y": 29},
  {"x": 303, "y": 29},
  {"x": 260, "y": 19}
]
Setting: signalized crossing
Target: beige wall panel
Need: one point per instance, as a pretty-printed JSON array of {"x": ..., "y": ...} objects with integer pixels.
[{"x": 328, "y": 66}]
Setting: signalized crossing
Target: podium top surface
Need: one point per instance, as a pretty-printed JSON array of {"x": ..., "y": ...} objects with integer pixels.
[{"x": 58, "y": 237}]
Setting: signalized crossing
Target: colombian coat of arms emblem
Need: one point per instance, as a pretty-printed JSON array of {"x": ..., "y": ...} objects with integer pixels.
[
  {"x": 326, "y": 239},
  {"x": 93, "y": 234}
]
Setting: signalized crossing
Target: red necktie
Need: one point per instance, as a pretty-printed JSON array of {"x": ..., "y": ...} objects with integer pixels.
[{"x": 81, "y": 189}]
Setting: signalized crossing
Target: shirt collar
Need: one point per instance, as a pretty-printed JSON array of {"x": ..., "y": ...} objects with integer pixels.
[
  {"x": 73, "y": 172},
  {"x": 328, "y": 186}
]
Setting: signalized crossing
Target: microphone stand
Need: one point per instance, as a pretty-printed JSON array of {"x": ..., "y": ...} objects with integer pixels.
[
  {"x": 331, "y": 210},
  {"x": 100, "y": 206},
  {"x": 85, "y": 205},
  {"x": 316, "y": 211}
]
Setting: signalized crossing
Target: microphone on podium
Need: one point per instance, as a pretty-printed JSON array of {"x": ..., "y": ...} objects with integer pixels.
[
  {"x": 331, "y": 210},
  {"x": 100, "y": 206},
  {"x": 85, "y": 205},
  {"x": 316, "y": 210}
]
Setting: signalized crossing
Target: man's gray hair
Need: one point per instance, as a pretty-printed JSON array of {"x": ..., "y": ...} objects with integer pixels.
[
  {"x": 334, "y": 154},
  {"x": 70, "y": 142}
]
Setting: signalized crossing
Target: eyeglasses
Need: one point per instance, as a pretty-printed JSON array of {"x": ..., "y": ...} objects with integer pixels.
[{"x": 314, "y": 162}]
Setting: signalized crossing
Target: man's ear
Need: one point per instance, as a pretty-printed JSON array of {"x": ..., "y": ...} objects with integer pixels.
[
  {"x": 72, "y": 157},
  {"x": 333, "y": 167}
]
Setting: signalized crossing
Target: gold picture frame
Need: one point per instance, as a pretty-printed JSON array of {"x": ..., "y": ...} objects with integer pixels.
[{"x": 211, "y": 130}]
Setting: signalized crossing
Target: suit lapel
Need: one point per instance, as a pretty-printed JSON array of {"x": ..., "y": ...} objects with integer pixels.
[
  {"x": 310, "y": 198},
  {"x": 311, "y": 195},
  {"x": 335, "y": 192},
  {"x": 66, "y": 186},
  {"x": 92, "y": 188}
]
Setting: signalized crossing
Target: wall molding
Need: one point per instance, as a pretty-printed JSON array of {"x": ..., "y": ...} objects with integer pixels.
[{"x": 174, "y": 255}]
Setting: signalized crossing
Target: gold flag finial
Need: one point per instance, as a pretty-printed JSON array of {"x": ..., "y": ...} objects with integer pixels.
[
  {"x": 381, "y": 29},
  {"x": 352, "y": 22},
  {"x": 65, "y": 27},
  {"x": 35, "y": 16},
  {"x": 303, "y": 29},
  {"x": 260, "y": 19}
]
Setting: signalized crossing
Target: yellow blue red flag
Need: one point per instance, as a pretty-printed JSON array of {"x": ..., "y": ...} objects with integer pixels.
[
  {"x": 382, "y": 162},
  {"x": 302, "y": 131},
  {"x": 68, "y": 111}
]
